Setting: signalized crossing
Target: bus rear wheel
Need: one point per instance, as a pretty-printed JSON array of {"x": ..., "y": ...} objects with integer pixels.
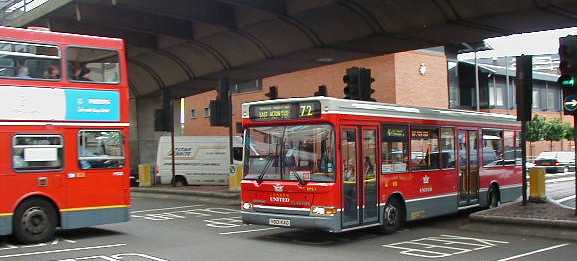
[
  {"x": 180, "y": 181},
  {"x": 35, "y": 221},
  {"x": 393, "y": 216}
]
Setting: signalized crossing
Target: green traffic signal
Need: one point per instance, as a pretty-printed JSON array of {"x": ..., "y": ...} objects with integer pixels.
[{"x": 567, "y": 81}]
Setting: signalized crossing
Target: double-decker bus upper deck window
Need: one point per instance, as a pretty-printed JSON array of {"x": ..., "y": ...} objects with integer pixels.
[
  {"x": 424, "y": 148},
  {"x": 395, "y": 145},
  {"x": 93, "y": 65},
  {"x": 492, "y": 147},
  {"x": 100, "y": 149},
  {"x": 37, "y": 152},
  {"x": 304, "y": 152},
  {"x": 29, "y": 61},
  {"x": 447, "y": 155}
]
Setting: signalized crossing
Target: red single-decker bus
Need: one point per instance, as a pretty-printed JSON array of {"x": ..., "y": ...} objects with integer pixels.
[{"x": 337, "y": 165}]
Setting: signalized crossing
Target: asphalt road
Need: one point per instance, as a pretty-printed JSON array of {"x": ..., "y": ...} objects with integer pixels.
[
  {"x": 562, "y": 190},
  {"x": 178, "y": 230}
]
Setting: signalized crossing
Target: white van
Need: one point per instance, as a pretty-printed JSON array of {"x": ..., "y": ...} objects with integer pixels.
[{"x": 199, "y": 160}]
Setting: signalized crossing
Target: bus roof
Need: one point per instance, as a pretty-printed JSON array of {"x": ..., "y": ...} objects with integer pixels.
[
  {"x": 49, "y": 37},
  {"x": 331, "y": 105}
]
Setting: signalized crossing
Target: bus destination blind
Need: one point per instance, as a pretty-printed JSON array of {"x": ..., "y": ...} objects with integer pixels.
[{"x": 285, "y": 111}]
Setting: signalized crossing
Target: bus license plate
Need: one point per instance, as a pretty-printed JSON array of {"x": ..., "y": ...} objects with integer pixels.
[{"x": 279, "y": 222}]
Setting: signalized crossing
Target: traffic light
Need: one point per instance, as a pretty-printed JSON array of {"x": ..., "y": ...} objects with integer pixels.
[
  {"x": 163, "y": 117},
  {"x": 351, "y": 80},
  {"x": 221, "y": 108},
  {"x": 524, "y": 87},
  {"x": 365, "y": 85},
  {"x": 568, "y": 71},
  {"x": 272, "y": 93},
  {"x": 322, "y": 91}
]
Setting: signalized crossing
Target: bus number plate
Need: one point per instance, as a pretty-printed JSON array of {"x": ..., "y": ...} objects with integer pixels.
[{"x": 279, "y": 222}]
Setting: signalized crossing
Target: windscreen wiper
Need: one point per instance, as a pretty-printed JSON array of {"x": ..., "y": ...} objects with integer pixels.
[
  {"x": 300, "y": 179},
  {"x": 264, "y": 170}
]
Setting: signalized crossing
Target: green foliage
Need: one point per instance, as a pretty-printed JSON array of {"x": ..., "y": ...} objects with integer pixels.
[
  {"x": 569, "y": 131},
  {"x": 536, "y": 129},
  {"x": 554, "y": 130}
]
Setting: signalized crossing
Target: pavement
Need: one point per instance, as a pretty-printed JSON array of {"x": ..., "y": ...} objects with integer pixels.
[
  {"x": 182, "y": 230},
  {"x": 206, "y": 194}
]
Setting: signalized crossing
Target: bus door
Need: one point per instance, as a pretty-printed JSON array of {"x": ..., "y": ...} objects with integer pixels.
[
  {"x": 359, "y": 168},
  {"x": 468, "y": 167}
]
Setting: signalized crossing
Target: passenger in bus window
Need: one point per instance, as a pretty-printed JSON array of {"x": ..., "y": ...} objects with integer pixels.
[
  {"x": 369, "y": 169},
  {"x": 80, "y": 72},
  {"x": 53, "y": 72},
  {"x": 22, "y": 71}
]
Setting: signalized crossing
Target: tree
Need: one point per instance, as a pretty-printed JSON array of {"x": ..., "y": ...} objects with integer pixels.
[
  {"x": 535, "y": 131},
  {"x": 569, "y": 132},
  {"x": 554, "y": 131}
]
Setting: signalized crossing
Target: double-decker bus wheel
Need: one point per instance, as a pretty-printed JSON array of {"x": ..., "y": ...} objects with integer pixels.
[
  {"x": 35, "y": 221},
  {"x": 393, "y": 216}
]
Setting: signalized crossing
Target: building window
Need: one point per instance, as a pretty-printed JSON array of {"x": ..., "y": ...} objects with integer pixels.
[
  {"x": 206, "y": 112},
  {"x": 395, "y": 143},
  {"x": 248, "y": 86},
  {"x": 37, "y": 152},
  {"x": 424, "y": 148},
  {"x": 193, "y": 113}
]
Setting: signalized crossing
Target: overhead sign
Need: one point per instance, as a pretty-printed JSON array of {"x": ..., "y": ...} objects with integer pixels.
[
  {"x": 50, "y": 104},
  {"x": 286, "y": 111},
  {"x": 570, "y": 103}
]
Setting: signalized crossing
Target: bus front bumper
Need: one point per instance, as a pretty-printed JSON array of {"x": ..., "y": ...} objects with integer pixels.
[{"x": 329, "y": 223}]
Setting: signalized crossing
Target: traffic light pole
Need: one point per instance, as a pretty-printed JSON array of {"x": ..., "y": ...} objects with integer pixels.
[
  {"x": 575, "y": 147},
  {"x": 524, "y": 160}
]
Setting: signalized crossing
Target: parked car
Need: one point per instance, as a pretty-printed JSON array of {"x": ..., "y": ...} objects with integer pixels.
[{"x": 556, "y": 161}]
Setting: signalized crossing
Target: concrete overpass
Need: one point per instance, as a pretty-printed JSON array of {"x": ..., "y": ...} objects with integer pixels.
[{"x": 185, "y": 46}]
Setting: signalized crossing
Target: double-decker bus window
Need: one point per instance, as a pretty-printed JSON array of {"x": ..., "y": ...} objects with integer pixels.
[
  {"x": 283, "y": 152},
  {"x": 100, "y": 149},
  {"x": 518, "y": 152},
  {"x": 509, "y": 155},
  {"x": 447, "y": 155},
  {"x": 492, "y": 147},
  {"x": 395, "y": 144},
  {"x": 29, "y": 61},
  {"x": 93, "y": 65},
  {"x": 37, "y": 152},
  {"x": 424, "y": 148}
]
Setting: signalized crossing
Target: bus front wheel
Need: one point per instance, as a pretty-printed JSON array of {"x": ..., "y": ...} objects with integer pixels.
[
  {"x": 393, "y": 216},
  {"x": 35, "y": 221}
]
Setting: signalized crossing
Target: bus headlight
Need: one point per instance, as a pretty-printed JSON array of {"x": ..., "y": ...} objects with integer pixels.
[
  {"x": 246, "y": 206},
  {"x": 323, "y": 211}
]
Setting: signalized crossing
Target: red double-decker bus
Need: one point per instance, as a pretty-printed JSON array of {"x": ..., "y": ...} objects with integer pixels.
[
  {"x": 337, "y": 165},
  {"x": 64, "y": 138}
]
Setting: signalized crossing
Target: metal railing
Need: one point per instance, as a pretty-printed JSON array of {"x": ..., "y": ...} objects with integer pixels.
[{"x": 13, "y": 9}]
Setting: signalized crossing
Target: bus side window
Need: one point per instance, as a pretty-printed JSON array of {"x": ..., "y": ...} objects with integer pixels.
[
  {"x": 510, "y": 151},
  {"x": 447, "y": 155},
  {"x": 424, "y": 148},
  {"x": 93, "y": 65},
  {"x": 100, "y": 149},
  {"x": 492, "y": 147},
  {"x": 37, "y": 152},
  {"x": 395, "y": 145}
]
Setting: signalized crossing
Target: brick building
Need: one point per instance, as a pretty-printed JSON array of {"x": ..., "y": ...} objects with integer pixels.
[{"x": 411, "y": 78}]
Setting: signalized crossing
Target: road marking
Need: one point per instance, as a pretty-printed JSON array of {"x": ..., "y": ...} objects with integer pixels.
[
  {"x": 443, "y": 246},
  {"x": 533, "y": 252},
  {"x": 118, "y": 257},
  {"x": 160, "y": 209},
  {"x": 561, "y": 200},
  {"x": 248, "y": 231},
  {"x": 61, "y": 250},
  {"x": 560, "y": 180}
]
